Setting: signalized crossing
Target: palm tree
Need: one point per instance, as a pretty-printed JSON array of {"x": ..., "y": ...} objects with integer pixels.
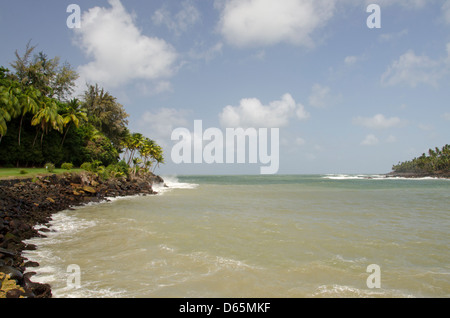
[
  {"x": 158, "y": 156},
  {"x": 5, "y": 111},
  {"x": 74, "y": 115},
  {"x": 47, "y": 117},
  {"x": 132, "y": 144},
  {"x": 4, "y": 118},
  {"x": 27, "y": 104},
  {"x": 8, "y": 106},
  {"x": 150, "y": 151}
]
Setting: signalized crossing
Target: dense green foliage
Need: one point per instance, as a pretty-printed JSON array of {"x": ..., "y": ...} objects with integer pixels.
[
  {"x": 39, "y": 125},
  {"x": 436, "y": 160}
]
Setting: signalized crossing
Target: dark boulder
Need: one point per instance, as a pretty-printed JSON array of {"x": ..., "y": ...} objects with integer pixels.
[{"x": 12, "y": 272}]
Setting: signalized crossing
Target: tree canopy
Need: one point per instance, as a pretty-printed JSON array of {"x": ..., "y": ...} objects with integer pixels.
[
  {"x": 47, "y": 75},
  {"x": 106, "y": 114},
  {"x": 40, "y": 122},
  {"x": 435, "y": 161}
]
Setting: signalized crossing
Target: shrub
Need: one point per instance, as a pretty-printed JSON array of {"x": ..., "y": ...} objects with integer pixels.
[
  {"x": 67, "y": 166},
  {"x": 116, "y": 171},
  {"x": 95, "y": 165},
  {"x": 23, "y": 172},
  {"x": 50, "y": 167},
  {"x": 86, "y": 166}
]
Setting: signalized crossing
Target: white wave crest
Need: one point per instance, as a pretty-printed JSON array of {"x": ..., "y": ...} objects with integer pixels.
[
  {"x": 373, "y": 177},
  {"x": 352, "y": 177},
  {"x": 172, "y": 182}
]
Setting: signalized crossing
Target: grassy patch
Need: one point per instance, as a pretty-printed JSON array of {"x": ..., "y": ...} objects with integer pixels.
[{"x": 13, "y": 173}]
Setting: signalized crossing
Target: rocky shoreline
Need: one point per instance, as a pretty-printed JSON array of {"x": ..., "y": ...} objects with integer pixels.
[
  {"x": 26, "y": 208},
  {"x": 437, "y": 174}
]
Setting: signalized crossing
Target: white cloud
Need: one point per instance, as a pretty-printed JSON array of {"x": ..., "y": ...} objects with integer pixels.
[
  {"x": 252, "y": 113},
  {"x": 160, "y": 124},
  {"x": 266, "y": 22},
  {"x": 301, "y": 112},
  {"x": 446, "y": 116},
  {"x": 377, "y": 122},
  {"x": 412, "y": 70},
  {"x": 250, "y": 23},
  {"x": 120, "y": 52},
  {"x": 370, "y": 140},
  {"x": 188, "y": 16}
]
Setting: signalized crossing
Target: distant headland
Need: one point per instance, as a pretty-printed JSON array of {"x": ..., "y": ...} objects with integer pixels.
[{"x": 434, "y": 164}]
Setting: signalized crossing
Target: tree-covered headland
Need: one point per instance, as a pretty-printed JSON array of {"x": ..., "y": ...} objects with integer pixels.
[
  {"x": 435, "y": 162},
  {"x": 41, "y": 124}
]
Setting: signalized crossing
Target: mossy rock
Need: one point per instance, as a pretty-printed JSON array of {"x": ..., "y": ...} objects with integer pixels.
[
  {"x": 89, "y": 189},
  {"x": 8, "y": 284}
]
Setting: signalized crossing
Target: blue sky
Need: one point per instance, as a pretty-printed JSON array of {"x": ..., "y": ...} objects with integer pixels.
[{"x": 346, "y": 98}]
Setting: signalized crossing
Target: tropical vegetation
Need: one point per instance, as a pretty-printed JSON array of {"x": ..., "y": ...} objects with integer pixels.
[
  {"x": 41, "y": 123},
  {"x": 437, "y": 160}
]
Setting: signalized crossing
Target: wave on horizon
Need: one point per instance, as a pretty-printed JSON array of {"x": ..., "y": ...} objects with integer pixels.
[{"x": 373, "y": 177}]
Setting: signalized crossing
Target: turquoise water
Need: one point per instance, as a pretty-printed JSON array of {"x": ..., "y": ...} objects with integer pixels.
[{"x": 257, "y": 236}]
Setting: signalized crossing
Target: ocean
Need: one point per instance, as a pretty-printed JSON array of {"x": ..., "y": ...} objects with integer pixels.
[{"x": 290, "y": 236}]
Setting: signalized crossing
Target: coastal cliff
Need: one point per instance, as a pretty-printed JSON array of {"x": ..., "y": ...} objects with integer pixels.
[{"x": 26, "y": 208}]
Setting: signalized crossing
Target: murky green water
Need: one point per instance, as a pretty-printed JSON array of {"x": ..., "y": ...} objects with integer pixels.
[{"x": 258, "y": 236}]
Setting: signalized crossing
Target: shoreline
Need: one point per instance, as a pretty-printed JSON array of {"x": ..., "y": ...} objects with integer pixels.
[
  {"x": 437, "y": 174},
  {"x": 26, "y": 208}
]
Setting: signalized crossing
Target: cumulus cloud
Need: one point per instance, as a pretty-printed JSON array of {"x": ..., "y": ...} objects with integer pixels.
[
  {"x": 377, "y": 122},
  {"x": 411, "y": 70},
  {"x": 370, "y": 140},
  {"x": 251, "y": 113},
  {"x": 266, "y": 22},
  {"x": 160, "y": 124},
  {"x": 253, "y": 23},
  {"x": 119, "y": 51}
]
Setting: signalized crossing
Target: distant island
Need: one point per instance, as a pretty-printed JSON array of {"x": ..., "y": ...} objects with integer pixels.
[{"x": 435, "y": 164}]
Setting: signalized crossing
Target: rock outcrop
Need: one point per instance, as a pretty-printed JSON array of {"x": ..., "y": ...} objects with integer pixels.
[{"x": 26, "y": 207}]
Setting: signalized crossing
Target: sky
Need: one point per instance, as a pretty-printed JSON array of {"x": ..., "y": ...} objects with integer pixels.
[{"x": 345, "y": 97}]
